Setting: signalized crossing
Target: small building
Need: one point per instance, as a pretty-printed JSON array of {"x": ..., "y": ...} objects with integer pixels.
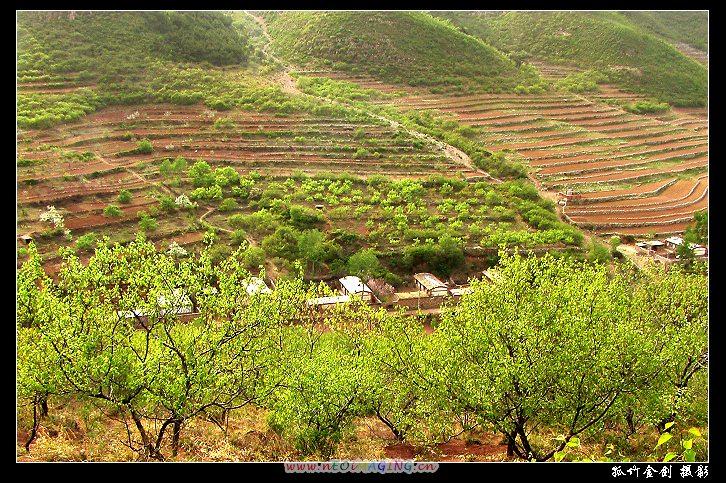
[
  {"x": 459, "y": 291},
  {"x": 177, "y": 303},
  {"x": 256, "y": 285},
  {"x": 319, "y": 207},
  {"x": 699, "y": 250},
  {"x": 650, "y": 246},
  {"x": 427, "y": 282},
  {"x": 674, "y": 242},
  {"x": 326, "y": 302},
  {"x": 26, "y": 239},
  {"x": 353, "y": 286}
]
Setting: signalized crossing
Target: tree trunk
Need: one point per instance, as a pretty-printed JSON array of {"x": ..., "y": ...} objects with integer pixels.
[
  {"x": 631, "y": 422},
  {"x": 510, "y": 447},
  {"x": 36, "y": 424},
  {"x": 396, "y": 432},
  {"x": 175, "y": 437},
  {"x": 43, "y": 405},
  {"x": 149, "y": 450}
]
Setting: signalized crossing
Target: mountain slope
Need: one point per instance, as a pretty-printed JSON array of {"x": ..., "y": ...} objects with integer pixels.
[
  {"x": 630, "y": 57},
  {"x": 688, "y": 27},
  {"x": 71, "y": 64},
  {"x": 402, "y": 47}
]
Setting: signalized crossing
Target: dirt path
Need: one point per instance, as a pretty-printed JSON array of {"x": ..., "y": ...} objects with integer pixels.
[
  {"x": 138, "y": 176},
  {"x": 272, "y": 270},
  {"x": 208, "y": 212},
  {"x": 289, "y": 85}
]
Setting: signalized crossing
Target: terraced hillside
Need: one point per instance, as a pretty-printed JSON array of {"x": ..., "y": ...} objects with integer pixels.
[
  {"x": 92, "y": 160},
  {"x": 597, "y": 150},
  {"x": 235, "y": 163}
]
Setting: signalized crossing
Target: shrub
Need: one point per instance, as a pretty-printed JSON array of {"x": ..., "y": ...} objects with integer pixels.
[
  {"x": 52, "y": 215},
  {"x": 167, "y": 203},
  {"x": 646, "y": 107},
  {"x": 144, "y": 147},
  {"x": 86, "y": 242},
  {"x": 124, "y": 196},
  {"x": 228, "y": 204},
  {"x": 254, "y": 257},
  {"x": 239, "y": 236},
  {"x": 282, "y": 243},
  {"x": 598, "y": 253},
  {"x": 183, "y": 201},
  {"x": 175, "y": 250},
  {"x": 112, "y": 211},
  {"x": 365, "y": 264},
  {"x": 303, "y": 217},
  {"x": 201, "y": 174},
  {"x": 147, "y": 223}
]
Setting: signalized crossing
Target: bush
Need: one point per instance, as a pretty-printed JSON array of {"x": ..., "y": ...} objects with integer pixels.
[
  {"x": 144, "y": 147},
  {"x": 112, "y": 211},
  {"x": 254, "y": 257},
  {"x": 598, "y": 253},
  {"x": 86, "y": 242},
  {"x": 147, "y": 223},
  {"x": 365, "y": 264},
  {"x": 124, "y": 196},
  {"x": 228, "y": 204},
  {"x": 442, "y": 257},
  {"x": 303, "y": 217},
  {"x": 201, "y": 174},
  {"x": 283, "y": 243},
  {"x": 239, "y": 237},
  {"x": 167, "y": 203},
  {"x": 646, "y": 107}
]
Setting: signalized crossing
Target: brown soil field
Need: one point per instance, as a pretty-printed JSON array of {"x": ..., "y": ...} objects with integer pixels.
[
  {"x": 680, "y": 192},
  {"x": 620, "y": 175}
]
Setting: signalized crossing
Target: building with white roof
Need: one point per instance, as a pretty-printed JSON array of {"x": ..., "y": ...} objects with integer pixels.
[
  {"x": 256, "y": 285},
  {"x": 352, "y": 285},
  {"x": 427, "y": 282},
  {"x": 177, "y": 302},
  {"x": 325, "y": 302},
  {"x": 674, "y": 241}
]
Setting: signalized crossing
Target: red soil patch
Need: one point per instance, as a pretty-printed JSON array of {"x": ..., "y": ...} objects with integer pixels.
[{"x": 681, "y": 192}]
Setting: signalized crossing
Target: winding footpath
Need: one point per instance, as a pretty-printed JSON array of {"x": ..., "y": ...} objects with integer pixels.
[{"x": 289, "y": 85}]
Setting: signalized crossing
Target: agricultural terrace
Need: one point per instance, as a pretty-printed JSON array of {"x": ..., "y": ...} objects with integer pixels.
[
  {"x": 297, "y": 187},
  {"x": 650, "y": 171}
]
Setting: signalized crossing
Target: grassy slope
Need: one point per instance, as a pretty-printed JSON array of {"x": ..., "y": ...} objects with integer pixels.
[
  {"x": 401, "y": 47},
  {"x": 129, "y": 38},
  {"x": 688, "y": 27},
  {"x": 121, "y": 58},
  {"x": 594, "y": 40}
]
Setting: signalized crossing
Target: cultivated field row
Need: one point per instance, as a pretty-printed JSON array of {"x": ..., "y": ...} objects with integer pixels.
[{"x": 580, "y": 143}]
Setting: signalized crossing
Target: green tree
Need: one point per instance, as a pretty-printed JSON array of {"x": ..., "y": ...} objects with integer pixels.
[
  {"x": 146, "y": 222},
  {"x": 144, "y": 147},
  {"x": 112, "y": 211},
  {"x": 311, "y": 247},
  {"x": 508, "y": 366},
  {"x": 201, "y": 174},
  {"x": 365, "y": 264}
]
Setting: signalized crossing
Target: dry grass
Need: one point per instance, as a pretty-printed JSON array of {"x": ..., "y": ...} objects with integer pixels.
[{"x": 72, "y": 432}]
